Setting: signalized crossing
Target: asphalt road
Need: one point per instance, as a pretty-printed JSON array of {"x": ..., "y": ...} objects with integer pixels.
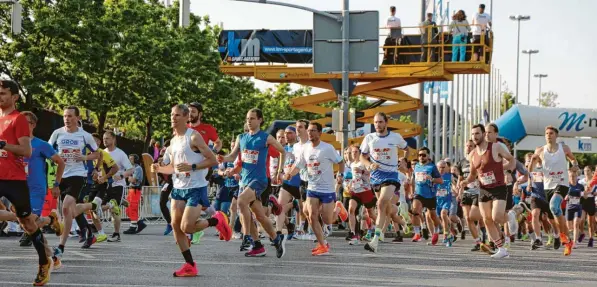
[{"x": 149, "y": 260}]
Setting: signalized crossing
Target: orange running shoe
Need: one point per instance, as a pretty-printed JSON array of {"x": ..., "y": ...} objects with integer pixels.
[
  {"x": 568, "y": 248},
  {"x": 564, "y": 238},
  {"x": 417, "y": 238},
  {"x": 321, "y": 250},
  {"x": 342, "y": 211}
]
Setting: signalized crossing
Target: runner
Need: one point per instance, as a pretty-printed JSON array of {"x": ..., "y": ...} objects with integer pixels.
[
  {"x": 15, "y": 144},
  {"x": 189, "y": 159},
  {"x": 115, "y": 192},
  {"x": 207, "y": 131},
  {"x": 253, "y": 147},
  {"x": 426, "y": 176},
  {"x": 383, "y": 165},
  {"x": 319, "y": 159},
  {"x": 231, "y": 182},
  {"x": 553, "y": 157},
  {"x": 290, "y": 188},
  {"x": 470, "y": 200},
  {"x": 573, "y": 206},
  {"x": 539, "y": 204},
  {"x": 76, "y": 147},
  {"x": 588, "y": 206},
  {"x": 443, "y": 193},
  {"x": 35, "y": 167},
  {"x": 486, "y": 166},
  {"x": 135, "y": 190},
  {"x": 360, "y": 190}
]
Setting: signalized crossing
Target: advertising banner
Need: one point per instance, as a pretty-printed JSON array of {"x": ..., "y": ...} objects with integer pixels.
[
  {"x": 266, "y": 46},
  {"x": 577, "y": 145}
]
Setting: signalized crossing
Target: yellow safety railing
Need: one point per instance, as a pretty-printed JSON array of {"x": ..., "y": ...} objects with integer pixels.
[{"x": 437, "y": 47}]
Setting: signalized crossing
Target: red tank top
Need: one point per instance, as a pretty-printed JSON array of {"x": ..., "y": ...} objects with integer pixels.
[{"x": 489, "y": 171}]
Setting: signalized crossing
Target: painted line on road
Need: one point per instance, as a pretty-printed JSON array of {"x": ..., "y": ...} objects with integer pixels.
[
  {"x": 82, "y": 254},
  {"x": 73, "y": 284}
]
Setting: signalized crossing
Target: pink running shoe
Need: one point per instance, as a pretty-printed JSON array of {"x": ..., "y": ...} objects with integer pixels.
[
  {"x": 187, "y": 270},
  {"x": 256, "y": 252},
  {"x": 222, "y": 226}
]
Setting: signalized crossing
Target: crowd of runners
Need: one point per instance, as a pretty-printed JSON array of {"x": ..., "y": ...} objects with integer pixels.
[{"x": 293, "y": 186}]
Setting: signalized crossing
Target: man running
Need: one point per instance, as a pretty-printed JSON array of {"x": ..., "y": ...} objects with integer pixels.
[
  {"x": 553, "y": 158},
  {"x": 470, "y": 200},
  {"x": 486, "y": 162},
  {"x": 297, "y": 149},
  {"x": 253, "y": 147},
  {"x": 444, "y": 200},
  {"x": 290, "y": 188},
  {"x": 360, "y": 192},
  {"x": 207, "y": 131},
  {"x": 426, "y": 176},
  {"x": 75, "y": 146},
  {"x": 319, "y": 159},
  {"x": 35, "y": 167},
  {"x": 379, "y": 153},
  {"x": 15, "y": 144},
  {"x": 539, "y": 204},
  {"x": 188, "y": 161}
]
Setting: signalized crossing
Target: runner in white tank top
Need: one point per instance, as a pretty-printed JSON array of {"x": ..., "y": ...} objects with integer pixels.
[
  {"x": 188, "y": 160},
  {"x": 552, "y": 157}
]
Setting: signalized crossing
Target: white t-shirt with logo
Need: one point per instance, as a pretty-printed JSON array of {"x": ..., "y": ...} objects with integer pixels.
[
  {"x": 68, "y": 144},
  {"x": 123, "y": 162},
  {"x": 297, "y": 149},
  {"x": 481, "y": 20},
  {"x": 319, "y": 162},
  {"x": 383, "y": 150}
]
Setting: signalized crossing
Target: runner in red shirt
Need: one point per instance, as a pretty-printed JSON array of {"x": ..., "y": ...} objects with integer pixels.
[
  {"x": 15, "y": 144},
  {"x": 207, "y": 131}
]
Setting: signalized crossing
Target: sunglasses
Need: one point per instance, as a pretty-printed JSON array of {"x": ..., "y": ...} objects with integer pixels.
[{"x": 422, "y": 155}]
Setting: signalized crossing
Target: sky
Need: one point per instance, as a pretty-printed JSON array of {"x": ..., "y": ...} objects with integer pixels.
[{"x": 559, "y": 29}]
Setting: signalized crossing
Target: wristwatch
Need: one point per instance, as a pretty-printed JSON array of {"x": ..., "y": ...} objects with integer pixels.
[
  {"x": 56, "y": 183},
  {"x": 2, "y": 144},
  {"x": 194, "y": 167}
]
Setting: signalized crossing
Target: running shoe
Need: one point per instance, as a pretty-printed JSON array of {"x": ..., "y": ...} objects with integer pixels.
[
  {"x": 57, "y": 253},
  {"x": 56, "y": 225},
  {"x": 187, "y": 270},
  {"x": 407, "y": 230},
  {"x": 417, "y": 238},
  {"x": 140, "y": 226},
  {"x": 485, "y": 248},
  {"x": 276, "y": 207},
  {"x": 501, "y": 253},
  {"x": 82, "y": 235},
  {"x": 237, "y": 235},
  {"x": 568, "y": 247},
  {"x": 168, "y": 229},
  {"x": 512, "y": 222},
  {"x": 549, "y": 241},
  {"x": 132, "y": 230},
  {"x": 557, "y": 243},
  {"x": 246, "y": 245},
  {"x": 590, "y": 245},
  {"x": 507, "y": 244},
  {"x": 476, "y": 248},
  {"x": 280, "y": 245},
  {"x": 450, "y": 241},
  {"x": 223, "y": 227},
  {"x": 256, "y": 252},
  {"x": 56, "y": 263},
  {"x": 525, "y": 237},
  {"x": 197, "y": 237},
  {"x": 398, "y": 239},
  {"x": 115, "y": 209},
  {"x": 321, "y": 250},
  {"x": 463, "y": 235},
  {"x": 354, "y": 241},
  {"x": 536, "y": 244},
  {"x": 115, "y": 238},
  {"x": 343, "y": 214},
  {"x": 349, "y": 236},
  {"x": 426, "y": 233},
  {"x": 43, "y": 275},
  {"x": 372, "y": 246},
  {"x": 25, "y": 241},
  {"x": 581, "y": 238},
  {"x": 382, "y": 237},
  {"x": 101, "y": 238},
  {"x": 434, "y": 239},
  {"x": 90, "y": 241},
  {"x": 369, "y": 235}
]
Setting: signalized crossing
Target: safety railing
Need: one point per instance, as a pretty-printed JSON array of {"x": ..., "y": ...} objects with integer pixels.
[{"x": 434, "y": 44}]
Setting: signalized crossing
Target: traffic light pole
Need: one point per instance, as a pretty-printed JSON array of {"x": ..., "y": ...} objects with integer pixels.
[{"x": 345, "y": 74}]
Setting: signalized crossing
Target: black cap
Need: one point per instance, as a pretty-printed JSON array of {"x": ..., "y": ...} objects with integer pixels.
[
  {"x": 197, "y": 106},
  {"x": 482, "y": 6},
  {"x": 11, "y": 85},
  {"x": 393, "y": 8}
]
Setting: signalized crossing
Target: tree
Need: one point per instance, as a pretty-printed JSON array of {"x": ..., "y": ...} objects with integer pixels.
[
  {"x": 507, "y": 100},
  {"x": 548, "y": 99}
]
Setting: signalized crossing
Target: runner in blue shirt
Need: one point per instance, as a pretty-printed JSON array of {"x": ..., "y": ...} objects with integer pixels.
[
  {"x": 35, "y": 167},
  {"x": 426, "y": 175},
  {"x": 574, "y": 208},
  {"x": 444, "y": 200},
  {"x": 253, "y": 147}
]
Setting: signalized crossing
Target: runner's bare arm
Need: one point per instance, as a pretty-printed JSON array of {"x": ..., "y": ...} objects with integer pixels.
[
  {"x": 21, "y": 149},
  {"x": 570, "y": 157},
  {"x": 278, "y": 146},
  {"x": 505, "y": 154},
  {"x": 161, "y": 168},
  {"x": 91, "y": 156},
  {"x": 233, "y": 153},
  {"x": 535, "y": 159},
  {"x": 60, "y": 167},
  {"x": 210, "y": 158}
]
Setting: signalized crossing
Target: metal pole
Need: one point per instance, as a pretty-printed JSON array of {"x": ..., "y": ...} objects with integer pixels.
[
  {"x": 430, "y": 126},
  {"x": 467, "y": 114},
  {"x": 345, "y": 71},
  {"x": 500, "y": 94},
  {"x": 529, "y": 84},
  {"x": 437, "y": 125},
  {"x": 540, "y": 78},
  {"x": 452, "y": 132},
  {"x": 457, "y": 132},
  {"x": 444, "y": 129},
  {"x": 517, "y": 63},
  {"x": 421, "y": 111},
  {"x": 185, "y": 13}
]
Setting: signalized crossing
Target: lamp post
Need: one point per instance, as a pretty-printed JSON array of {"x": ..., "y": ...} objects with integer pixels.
[
  {"x": 529, "y": 52},
  {"x": 540, "y": 76},
  {"x": 518, "y": 18}
]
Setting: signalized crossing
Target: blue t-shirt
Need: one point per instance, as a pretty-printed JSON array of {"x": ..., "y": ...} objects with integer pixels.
[
  {"x": 253, "y": 149},
  {"x": 230, "y": 181},
  {"x": 423, "y": 186},
  {"x": 289, "y": 161},
  {"x": 36, "y": 165},
  {"x": 444, "y": 190},
  {"x": 574, "y": 195}
]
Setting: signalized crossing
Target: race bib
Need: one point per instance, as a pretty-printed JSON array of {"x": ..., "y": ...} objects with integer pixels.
[
  {"x": 250, "y": 156},
  {"x": 182, "y": 175},
  {"x": 537, "y": 176},
  {"x": 69, "y": 154},
  {"x": 473, "y": 185},
  {"x": 26, "y": 164},
  {"x": 421, "y": 176},
  {"x": 3, "y": 153},
  {"x": 528, "y": 200},
  {"x": 442, "y": 192},
  {"x": 573, "y": 200},
  {"x": 487, "y": 178},
  {"x": 556, "y": 177},
  {"x": 313, "y": 170}
]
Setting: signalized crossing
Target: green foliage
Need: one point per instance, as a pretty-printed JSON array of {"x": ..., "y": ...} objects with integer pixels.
[
  {"x": 548, "y": 99},
  {"x": 507, "y": 100}
]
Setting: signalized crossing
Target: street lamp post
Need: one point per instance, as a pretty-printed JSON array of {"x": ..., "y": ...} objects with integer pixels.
[
  {"x": 540, "y": 76},
  {"x": 529, "y": 52},
  {"x": 518, "y": 18}
]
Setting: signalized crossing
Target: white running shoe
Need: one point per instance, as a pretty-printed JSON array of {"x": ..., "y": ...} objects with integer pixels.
[
  {"x": 372, "y": 246},
  {"x": 501, "y": 253},
  {"x": 512, "y": 223}
]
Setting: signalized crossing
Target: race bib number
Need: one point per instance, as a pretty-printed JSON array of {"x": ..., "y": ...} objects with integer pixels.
[
  {"x": 473, "y": 185},
  {"x": 487, "y": 178},
  {"x": 69, "y": 154},
  {"x": 3, "y": 153},
  {"x": 442, "y": 192},
  {"x": 182, "y": 175},
  {"x": 421, "y": 176},
  {"x": 381, "y": 154},
  {"x": 357, "y": 185},
  {"x": 528, "y": 200},
  {"x": 573, "y": 200},
  {"x": 250, "y": 156},
  {"x": 556, "y": 177}
]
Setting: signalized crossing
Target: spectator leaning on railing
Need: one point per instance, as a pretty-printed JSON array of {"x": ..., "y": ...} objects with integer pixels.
[
  {"x": 395, "y": 36},
  {"x": 429, "y": 34},
  {"x": 459, "y": 29},
  {"x": 480, "y": 23}
]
